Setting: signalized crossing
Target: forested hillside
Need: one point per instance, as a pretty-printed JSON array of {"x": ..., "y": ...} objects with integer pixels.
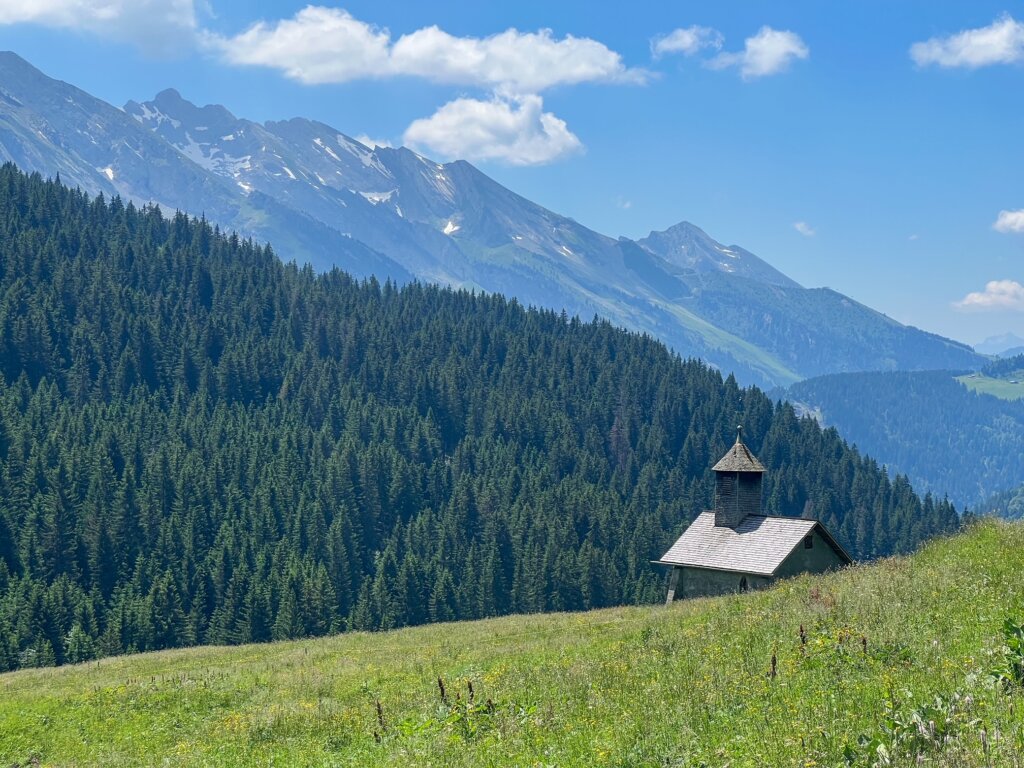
[
  {"x": 199, "y": 444},
  {"x": 1007, "y": 367},
  {"x": 1008, "y": 504},
  {"x": 946, "y": 438}
]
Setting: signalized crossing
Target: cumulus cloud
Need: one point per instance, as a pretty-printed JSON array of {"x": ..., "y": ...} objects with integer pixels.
[
  {"x": 317, "y": 45},
  {"x": 998, "y": 295},
  {"x": 513, "y": 130},
  {"x": 321, "y": 45},
  {"x": 804, "y": 228},
  {"x": 687, "y": 41},
  {"x": 1009, "y": 221},
  {"x": 768, "y": 52},
  {"x": 329, "y": 45},
  {"x": 1001, "y": 42},
  {"x": 158, "y": 25},
  {"x": 369, "y": 141}
]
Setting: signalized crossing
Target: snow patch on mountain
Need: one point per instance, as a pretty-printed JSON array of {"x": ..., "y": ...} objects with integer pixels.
[
  {"x": 151, "y": 114},
  {"x": 196, "y": 152},
  {"x": 377, "y": 197},
  {"x": 320, "y": 143},
  {"x": 566, "y": 251},
  {"x": 440, "y": 182}
]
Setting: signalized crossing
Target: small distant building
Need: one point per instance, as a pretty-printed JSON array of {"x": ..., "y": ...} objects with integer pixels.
[{"x": 736, "y": 547}]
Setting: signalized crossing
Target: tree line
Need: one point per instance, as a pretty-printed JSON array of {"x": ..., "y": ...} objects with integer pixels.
[
  {"x": 1004, "y": 367},
  {"x": 200, "y": 444}
]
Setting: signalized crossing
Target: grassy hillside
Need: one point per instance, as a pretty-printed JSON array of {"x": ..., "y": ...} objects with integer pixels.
[
  {"x": 1002, "y": 378},
  {"x": 897, "y": 655},
  {"x": 1007, "y": 389}
]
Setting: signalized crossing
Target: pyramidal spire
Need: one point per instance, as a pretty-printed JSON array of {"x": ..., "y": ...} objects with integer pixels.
[{"x": 739, "y": 458}]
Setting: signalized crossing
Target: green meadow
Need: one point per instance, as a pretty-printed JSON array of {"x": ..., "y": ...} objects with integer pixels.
[
  {"x": 907, "y": 661},
  {"x": 1007, "y": 389}
]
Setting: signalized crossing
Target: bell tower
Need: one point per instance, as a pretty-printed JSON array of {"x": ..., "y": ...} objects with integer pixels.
[{"x": 737, "y": 484}]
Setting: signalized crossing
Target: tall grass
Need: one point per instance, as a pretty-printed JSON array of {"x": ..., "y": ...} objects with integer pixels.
[{"x": 895, "y": 663}]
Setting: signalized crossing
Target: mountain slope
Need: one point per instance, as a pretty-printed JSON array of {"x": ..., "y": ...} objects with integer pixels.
[
  {"x": 56, "y": 129},
  {"x": 895, "y": 652},
  {"x": 927, "y": 425},
  {"x": 199, "y": 444},
  {"x": 323, "y": 197},
  {"x": 446, "y": 223}
]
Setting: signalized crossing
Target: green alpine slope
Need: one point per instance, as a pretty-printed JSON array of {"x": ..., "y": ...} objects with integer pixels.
[{"x": 904, "y": 662}]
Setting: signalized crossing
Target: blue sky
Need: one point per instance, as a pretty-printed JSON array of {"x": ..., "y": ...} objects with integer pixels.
[{"x": 872, "y": 147}]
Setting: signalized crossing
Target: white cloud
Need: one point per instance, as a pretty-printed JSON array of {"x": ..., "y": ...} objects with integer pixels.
[
  {"x": 998, "y": 295},
  {"x": 913, "y": 237},
  {"x": 1009, "y": 221},
  {"x": 1001, "y": 42},
  {"x": 317, "y": 45},
  {"x": 687, "y": 41},
  {"x": 159, "y": 25},
  {"x": 768, "y": 52},
  {"x": 512, "y": 130},
  {"x": 370, "y": 142},
  {"x": 329, "y": 45},
  {"x": 623, "y": 203},
  {"x": 523, "y": 61},
  {"x": 804, "y": 228}
]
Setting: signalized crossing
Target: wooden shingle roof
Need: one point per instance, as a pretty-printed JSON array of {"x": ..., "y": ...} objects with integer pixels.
[
  {"x": 738, "y": 459},
  {"x": 758, "y": 545}
]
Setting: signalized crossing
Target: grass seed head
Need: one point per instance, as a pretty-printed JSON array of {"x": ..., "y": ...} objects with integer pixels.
[{"x": 444, "y": 693}]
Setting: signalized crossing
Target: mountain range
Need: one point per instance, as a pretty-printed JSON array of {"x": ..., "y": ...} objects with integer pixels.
[
  {"x": 1004, "y": 345},
  {"x": 322, "y": 197}
]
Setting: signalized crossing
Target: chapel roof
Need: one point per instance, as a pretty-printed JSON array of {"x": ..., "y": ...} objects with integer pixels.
[{"x": 758, "y": 545}]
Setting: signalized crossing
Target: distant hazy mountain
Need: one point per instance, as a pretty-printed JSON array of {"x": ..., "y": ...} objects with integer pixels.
[
  {"x": 1002, "y": 345},
  {"x": 323, "y": 197}
]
